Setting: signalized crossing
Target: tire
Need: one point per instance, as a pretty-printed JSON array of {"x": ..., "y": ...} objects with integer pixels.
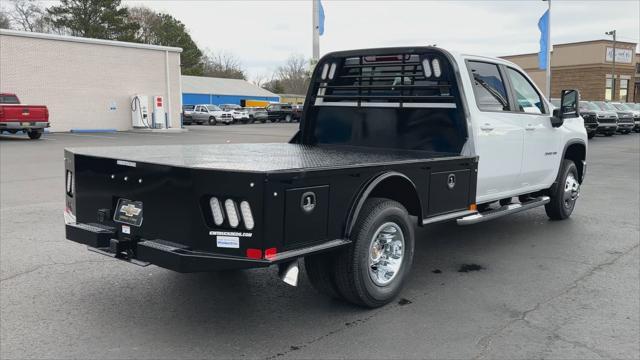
[
  {"x": 34, "y": 134},
  {"x": 565, "y": 194},
  {"x": 263, "y": 121},
  {"x": 353, "y": 272},
  {"x": 319, "y": 271},
  {"x": 213, "y": 121},
  {"x": 591, "y": 135}
]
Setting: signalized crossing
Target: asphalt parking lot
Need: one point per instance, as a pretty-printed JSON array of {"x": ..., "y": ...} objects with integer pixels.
[{"x": 545, "y": 289}]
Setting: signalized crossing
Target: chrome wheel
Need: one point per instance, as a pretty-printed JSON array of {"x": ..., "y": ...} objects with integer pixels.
[
  {"x": 386, "y": 253},
  {"x": 571, "y": 191}
]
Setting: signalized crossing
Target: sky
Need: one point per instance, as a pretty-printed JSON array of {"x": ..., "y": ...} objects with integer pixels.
[{"x": 263, "y": 33}]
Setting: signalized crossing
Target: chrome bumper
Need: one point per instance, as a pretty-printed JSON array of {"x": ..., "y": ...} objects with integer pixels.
[{"x": 21, "y": 125}]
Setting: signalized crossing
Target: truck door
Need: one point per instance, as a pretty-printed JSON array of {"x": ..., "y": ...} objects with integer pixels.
[
  {"x": 498, "y": 135},
  {"x": 541, "y": 156}
]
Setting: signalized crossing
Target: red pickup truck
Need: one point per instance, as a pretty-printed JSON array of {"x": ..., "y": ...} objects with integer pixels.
[{"x": 16, "y": 117}]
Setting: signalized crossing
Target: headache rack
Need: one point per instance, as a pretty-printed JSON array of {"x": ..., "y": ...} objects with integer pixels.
[{"x": 388, "y": 80}]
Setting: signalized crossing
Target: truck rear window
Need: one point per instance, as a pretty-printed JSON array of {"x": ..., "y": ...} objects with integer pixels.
[
  {"x": 9, "y": 99},
  {"x": 440, "y": 130}
]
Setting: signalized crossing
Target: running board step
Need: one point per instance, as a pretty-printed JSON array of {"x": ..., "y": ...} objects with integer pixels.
[{"x": 502, "y": 211}]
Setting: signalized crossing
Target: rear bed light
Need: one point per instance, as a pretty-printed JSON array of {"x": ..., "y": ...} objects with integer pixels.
[
  {"x": 436, "y": 67},
  {"x": 232, "y": 213},
  {"x": 426, "y": 66},
  {"x": 216, "y": 210},
  {"x": 247, "y": 216},
  {"x": 332, "y": 71},
  {"x": 325, "y": 70}
]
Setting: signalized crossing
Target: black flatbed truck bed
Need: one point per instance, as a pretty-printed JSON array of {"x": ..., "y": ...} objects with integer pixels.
[
  {"x": 369, "y": 144},
  {"x": 271, "y": 177}
]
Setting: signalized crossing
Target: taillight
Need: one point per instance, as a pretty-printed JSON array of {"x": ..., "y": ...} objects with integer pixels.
[
  {"x": 232, "y": 213},
  {"x": 46, "y": 114},
  {"x": 216, "y": 210},
  {"x": 69, "y": 183},
  {"x": 247, "y": 216}
]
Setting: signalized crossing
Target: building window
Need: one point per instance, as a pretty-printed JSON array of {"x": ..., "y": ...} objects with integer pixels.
[
  {"x": 607, "y": 91},
  {"x": 624, "y": 85}
]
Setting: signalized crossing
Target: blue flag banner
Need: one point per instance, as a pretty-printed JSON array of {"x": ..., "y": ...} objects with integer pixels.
[
  {"x": 543, "y": 25},
  {"x": 320, "y": 18}
]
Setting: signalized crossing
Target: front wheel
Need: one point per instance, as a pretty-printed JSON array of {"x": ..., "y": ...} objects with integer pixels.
[
  {"x": 564, "y": 193},
  {"x": 212, "y": 121},
  {"x": 34, "y": 134},
  {"x": 372, "y": 270}
]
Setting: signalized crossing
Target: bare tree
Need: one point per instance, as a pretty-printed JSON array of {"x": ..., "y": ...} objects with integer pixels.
[
  {"x": 293, "y": 76},
  {"x": 27, "y": 15},
  {"x": 261, "y": 79},
  {"x": 223, "y": 64}
]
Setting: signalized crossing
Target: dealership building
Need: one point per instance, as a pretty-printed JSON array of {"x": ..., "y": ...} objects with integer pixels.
[
  {"x": 210, "y": 90},
  {"x": 587, "y": 66},
  {"x": 89, "y": 84}
]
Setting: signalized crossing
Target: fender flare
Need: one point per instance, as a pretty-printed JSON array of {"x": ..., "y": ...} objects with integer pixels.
[
  {"x": 366, "y": 190},
  {"x": 564, "y": 153}
]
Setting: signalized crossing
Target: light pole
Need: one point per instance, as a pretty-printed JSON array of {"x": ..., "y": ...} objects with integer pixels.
[{"x": 613, "y": 65}]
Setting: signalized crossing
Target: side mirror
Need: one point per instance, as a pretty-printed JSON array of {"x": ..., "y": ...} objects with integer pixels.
[{"x": 569, "y": 101}]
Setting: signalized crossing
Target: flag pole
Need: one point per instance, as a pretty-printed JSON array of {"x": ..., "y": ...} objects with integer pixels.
[
  {"x": 315, "y": 15},
  {"x": 548, "y": 70}
]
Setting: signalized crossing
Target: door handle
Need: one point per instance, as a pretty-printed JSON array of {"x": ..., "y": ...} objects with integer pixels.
[
  {"x": 530, "y": 127},
  {"x": 486, "y": 127}
]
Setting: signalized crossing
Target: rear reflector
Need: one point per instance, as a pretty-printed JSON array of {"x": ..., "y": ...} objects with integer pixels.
[
  {"x": 254, "y": 253},
  {"x": 270, "y": 253}
]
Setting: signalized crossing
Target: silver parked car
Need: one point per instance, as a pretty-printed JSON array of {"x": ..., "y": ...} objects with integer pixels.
[{"x": 211, "y": 114}]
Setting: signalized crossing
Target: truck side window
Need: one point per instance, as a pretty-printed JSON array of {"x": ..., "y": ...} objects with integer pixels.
[
  {"x": 529, "y": 100},
  {"x": 488, "y": 86}
]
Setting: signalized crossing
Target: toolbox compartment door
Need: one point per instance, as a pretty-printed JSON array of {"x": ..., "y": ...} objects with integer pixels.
[
  {"x": 306, "y": 215},
  {"x": 449, "y": 191}
]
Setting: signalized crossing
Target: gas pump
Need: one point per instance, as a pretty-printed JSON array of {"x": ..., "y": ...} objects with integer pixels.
[{"x": 140, "y": 111}]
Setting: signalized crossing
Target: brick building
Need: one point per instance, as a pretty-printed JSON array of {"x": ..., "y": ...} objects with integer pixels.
[{"x": 587, "y": 66}]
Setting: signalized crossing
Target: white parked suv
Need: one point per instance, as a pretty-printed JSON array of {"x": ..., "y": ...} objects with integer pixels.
[
  {"x": 211, "y": 114},
  {"x": 238, "y": 113}
]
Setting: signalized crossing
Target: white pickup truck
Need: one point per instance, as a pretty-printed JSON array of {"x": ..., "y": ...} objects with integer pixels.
[{"x": 384, "y": 134}]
